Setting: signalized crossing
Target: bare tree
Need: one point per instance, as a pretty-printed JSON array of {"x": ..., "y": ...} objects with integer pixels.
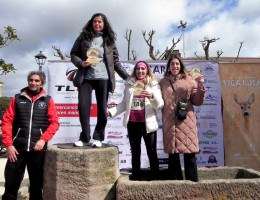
[
  {"x": 205, "y": 44},
  {"x": 149, "y": 41},
  {"x": 195, "y": 53},
  {"x": 128, "y": 39},
  {"x": 134, "y": 54},
  {"x": 219, "y": 53},
  {"x": 60, "y": 54},
  {"x": 167, "y": 53},
  {"x": 241, "y": 44}
]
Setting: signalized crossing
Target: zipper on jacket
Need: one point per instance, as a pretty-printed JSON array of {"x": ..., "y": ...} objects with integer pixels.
[
  {"x": 30, "y": 128},
  {"x": 30, "y": 124},
  {"x": 16, "y": 134}
]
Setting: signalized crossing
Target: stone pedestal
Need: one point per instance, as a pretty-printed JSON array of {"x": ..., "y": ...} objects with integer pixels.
[
  {"x": 80, "y": 173},
  {"x": 215, "y": 183}
]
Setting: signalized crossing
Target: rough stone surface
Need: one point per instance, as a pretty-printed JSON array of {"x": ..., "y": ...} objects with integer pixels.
[
  {"x": 78, "y": 174},
  {"x": 225, "y": 183}
]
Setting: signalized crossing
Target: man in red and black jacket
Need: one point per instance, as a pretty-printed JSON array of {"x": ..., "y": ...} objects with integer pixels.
[{"x": 28, "y": 124}]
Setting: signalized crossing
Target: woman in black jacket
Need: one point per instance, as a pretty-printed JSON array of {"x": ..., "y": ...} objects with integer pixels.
[{"x": 95, "y": 54}]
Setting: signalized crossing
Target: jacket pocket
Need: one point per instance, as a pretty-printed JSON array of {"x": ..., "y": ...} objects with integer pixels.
[{"x": 16, "y": 134}]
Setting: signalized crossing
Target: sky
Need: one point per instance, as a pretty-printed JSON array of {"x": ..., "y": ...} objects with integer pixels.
[{"x": 42, "y": 23}]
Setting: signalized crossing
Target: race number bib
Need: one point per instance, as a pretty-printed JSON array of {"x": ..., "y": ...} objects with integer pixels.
[{"x": 137, "y": 104}]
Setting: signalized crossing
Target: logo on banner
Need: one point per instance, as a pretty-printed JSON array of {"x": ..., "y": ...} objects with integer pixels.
[
  {"x": 209, "y": 69},
  {"x": 70, "y": 73},
  {"x": 212, "y": 159},
  {"x": 209, "y": 134},
  {"x": 210, "y": 150},
  {"x": 211, "y": 97}
]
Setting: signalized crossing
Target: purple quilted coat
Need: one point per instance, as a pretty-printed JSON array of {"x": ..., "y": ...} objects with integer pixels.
[{"x": 180, "y": 136}]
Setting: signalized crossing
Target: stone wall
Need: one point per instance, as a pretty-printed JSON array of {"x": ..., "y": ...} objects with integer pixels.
[{"x": 230, "y": 183}]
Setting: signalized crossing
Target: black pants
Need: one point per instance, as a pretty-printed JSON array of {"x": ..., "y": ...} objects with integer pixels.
[
  {"x": 190, "y": 167},
  {"x": 137, "y": 130},
  {"x": 84, "y": 107},
  {"x": 14, "y": 173}
]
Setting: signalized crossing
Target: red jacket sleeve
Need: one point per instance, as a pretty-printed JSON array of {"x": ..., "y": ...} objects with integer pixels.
[
  {"x": 53, "y": 122},
  {"x": 7, "y": 124}
]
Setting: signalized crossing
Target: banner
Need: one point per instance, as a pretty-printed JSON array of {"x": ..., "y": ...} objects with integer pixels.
[
  {"x": 240, "y": 91},
  {"x": 209, "y": 119}
]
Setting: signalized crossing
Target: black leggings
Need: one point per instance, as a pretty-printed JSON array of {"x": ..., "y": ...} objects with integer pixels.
[
  {"x": 137, "y": 130},
  {"x": 84, "y": 107},
  {"x": 190, "y": 167}
]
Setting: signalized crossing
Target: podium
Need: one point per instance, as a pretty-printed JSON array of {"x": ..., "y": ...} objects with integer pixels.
[{"x": 78, "y": 173}]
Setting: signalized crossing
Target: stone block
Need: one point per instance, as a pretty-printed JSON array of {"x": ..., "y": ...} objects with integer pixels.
[
  {"x": 231, "y": 183},
  {"x": 80, "y": 173}
]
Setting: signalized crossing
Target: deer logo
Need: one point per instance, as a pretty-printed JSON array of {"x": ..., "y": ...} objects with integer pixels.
[{"x": 245, "y": 105}]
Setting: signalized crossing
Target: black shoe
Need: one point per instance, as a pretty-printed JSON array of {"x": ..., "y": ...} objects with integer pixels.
[{"x": 135, "y": 178}]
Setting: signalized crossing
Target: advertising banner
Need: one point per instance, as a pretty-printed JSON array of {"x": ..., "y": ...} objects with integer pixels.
[
  {"x": 240, "y": 90},
  {"x": 209, "y": 119}
]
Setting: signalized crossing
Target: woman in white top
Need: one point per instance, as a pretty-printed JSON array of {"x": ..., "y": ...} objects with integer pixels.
[{"x": 142, "y": 98}]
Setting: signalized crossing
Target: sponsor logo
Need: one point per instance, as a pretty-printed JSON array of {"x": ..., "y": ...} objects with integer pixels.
[
  {"x": 114, "y": 137},
  {"x": 114, "y": 126},
  {"x": 208, "y": 117},
  {"x": 211, "y": 89},
  {"x": 116, "y": 95},
  {"x": 71, "y": 110},
  {"x": 209, "y": 134},
  {"x": 111, "y": 105},
  {"x": 208, "y": 142},
  {"x": 119, "y": 81},
  {"x": 210, "y": 81},
  {"x": 114, "y": 133},
  {"x": 71, "y": 73},
  {"x": 209, "y": 69},
  {"x": 212, "y": 159},
  {"x": 211, "y": 97},
  {"x": 209, "y": 104},
  {"x": 206, "y": 124},
  {"x": 114, "y": 118},
  {"x": 200, "y": 161},
  {"x": 210, "y": 150},
  {"x": 213, "y": 125},
  {"x": 115, "y": 143},
  {"x": 67, "y": 88},
  {"x": 122, "y": 161}
]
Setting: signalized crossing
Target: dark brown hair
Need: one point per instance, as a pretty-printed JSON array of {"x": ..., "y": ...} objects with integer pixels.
[
  {"x": 88, "y": 33},
  {"x": 183, "y": 69}
]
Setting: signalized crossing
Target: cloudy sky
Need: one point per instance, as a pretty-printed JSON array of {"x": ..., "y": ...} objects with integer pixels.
[{"x": 43, "y": 23}]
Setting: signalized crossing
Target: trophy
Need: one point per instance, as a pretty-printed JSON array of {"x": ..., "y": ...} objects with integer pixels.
[
  {"x": 138, "y": 88},
  {"x": 92, "y": 55},
  {"x": 195, "y": 72}
]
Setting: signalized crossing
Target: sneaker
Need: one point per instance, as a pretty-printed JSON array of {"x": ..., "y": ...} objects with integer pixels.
[
  {"x": 96, "y": 143},
  {"x": 79, "y": 143}
]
